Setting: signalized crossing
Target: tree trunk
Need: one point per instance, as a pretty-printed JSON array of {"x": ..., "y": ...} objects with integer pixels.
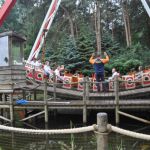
[
  {"x": 76, "y": 30},
  {"x": 126, "y": 22},
  {"x": 93, "y": 17},
  {"x": 98, "y": 27},
  {"x": 113, "y": 26},
  {"x": 112, "y": 32},
  {"x": 129, "y": 29},
  {"x": 126, "y": 29},
  {"x": 70, "y": 21}
]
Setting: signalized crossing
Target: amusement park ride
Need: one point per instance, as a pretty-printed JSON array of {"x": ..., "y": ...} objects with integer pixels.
[{"x": 37, "y": 73}]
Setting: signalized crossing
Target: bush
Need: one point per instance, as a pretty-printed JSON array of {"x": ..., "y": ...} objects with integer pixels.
[{"x": 132, "y": 63}]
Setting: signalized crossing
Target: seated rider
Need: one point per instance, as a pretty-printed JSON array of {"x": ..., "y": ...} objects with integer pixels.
[
  {"x": 114, "y": 74},
  {"x": 139, "y": 74},
  {"x": 33, "y": 62},
  {"x": 58, "y": 72},
  {"x": 38, "y": 63},
  {"x": 47, "y": 70}
]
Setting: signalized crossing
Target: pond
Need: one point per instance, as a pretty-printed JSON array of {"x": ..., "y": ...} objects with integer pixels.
[{"x": 84, "y": 141}]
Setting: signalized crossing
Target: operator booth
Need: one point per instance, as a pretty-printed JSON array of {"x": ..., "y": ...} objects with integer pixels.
[
  {"x": 11, "y": 49},
  {"x": 11, "y": 59}
]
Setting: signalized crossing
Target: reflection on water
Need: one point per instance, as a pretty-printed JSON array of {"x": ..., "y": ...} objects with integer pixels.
[
  {"x": 84, "y": 141},
  {"x": 46, "y": 142}
]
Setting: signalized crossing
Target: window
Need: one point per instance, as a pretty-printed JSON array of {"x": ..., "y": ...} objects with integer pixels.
[{"x": 16, "y": 52}]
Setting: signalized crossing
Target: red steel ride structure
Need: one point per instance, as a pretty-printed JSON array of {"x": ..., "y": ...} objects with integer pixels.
[{"x": 5, "y": 9}]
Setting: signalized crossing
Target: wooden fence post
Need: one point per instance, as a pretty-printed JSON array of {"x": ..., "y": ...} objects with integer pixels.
[
  {"x": 87, "y": 88},
  {"x": 54, "y": 92},
  {"x": 3, "y": 109},
  {"x": 11, "y": 109},
  {"x": 102, "y": 135},
  {"x": 84, "y": 102},
  {"x": 34, "y": 93},
  {"x": 5, "y": 112},
  {"x": 45, "y": 100},
  {"x": 116, "y": 86},
  {"x": 54, "y": 86},
  {"x": 24, "y": 94}
]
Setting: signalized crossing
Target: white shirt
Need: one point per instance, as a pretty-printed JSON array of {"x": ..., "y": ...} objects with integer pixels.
[
  {"x": 37, "y": 64},
  {"x": 58, "y": 76},
  {"x": 139, "y": 75},
  {"x": 47, "y": 69},
  {"x": 114, "y": 75},
  {"x": 33, "y": 63},
  {"x": 57, "y": 72}
]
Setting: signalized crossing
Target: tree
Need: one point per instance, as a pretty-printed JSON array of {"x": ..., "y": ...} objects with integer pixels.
[
  {"x": 70, "y": 21},
  {"x": 14, "y": 21},
  {"x": 69, "y": 56},
  {"x": 124, "y": 5},
  {"x": 98, "y": 26},
  {"x": 71, "y": 38},
  {"x": 86, "y": 45}
]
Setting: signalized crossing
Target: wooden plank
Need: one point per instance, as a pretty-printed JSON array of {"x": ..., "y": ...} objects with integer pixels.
[
  {"x": 78, "y": 104},
  {"x": 90, "y": 103},
  {"x": 5, "y": 87},
  {"x": 6, "y": 119},
  {"x": 10, "y": 75},
  {"x": 37, "y": 114},
  {"x": 5, "y": 72},
  {"x": 13, "y": 34},
  {"x": 6, "y": 91},
  {"x": 18, "y": 77},
  {"x": 80, "y": 107}
]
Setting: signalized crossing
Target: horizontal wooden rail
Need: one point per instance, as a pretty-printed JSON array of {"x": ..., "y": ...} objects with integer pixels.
[{"x": 133, "y": 117}]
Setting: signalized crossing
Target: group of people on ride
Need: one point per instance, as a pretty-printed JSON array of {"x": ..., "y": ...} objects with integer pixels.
[
  {"x": 96, "y": 60},
  {"x": 47, "y": 69},
  {"x": 98, "y": 63},
  {"x": 36, "y": 62}
]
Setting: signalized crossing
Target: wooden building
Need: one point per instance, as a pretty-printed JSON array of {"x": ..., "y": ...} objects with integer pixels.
[{"x": 11, "y": 60}]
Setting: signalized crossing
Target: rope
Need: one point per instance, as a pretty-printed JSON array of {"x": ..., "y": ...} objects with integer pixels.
[
  {"x": 59, "y": 131},
  {"x": 101, "y": 133},
  {"x": 77, "y": 130},
  {"x": 130, "y": 133}
]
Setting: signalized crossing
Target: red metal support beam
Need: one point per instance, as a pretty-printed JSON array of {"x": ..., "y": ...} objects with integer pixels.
[{"x": 5, "y": 9}]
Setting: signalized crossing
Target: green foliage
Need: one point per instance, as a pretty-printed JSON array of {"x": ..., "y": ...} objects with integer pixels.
[
  {"x": 85, "y": 47},
  {"x": 14, "y": 20},
  {"x": 121, "y": 146},
  {"x": 132, "y": 63},
  {"x": 109, "y": 45},
  {"x": 123, "y": 64},
  {"x": 72, "y": 145},
  {"x": 139, "y": 23},
  {"x": 116, "y": 63},
  {"x": 68, "y": 55},
  {"x": 129, "y": 58},
  {"x": 74, "y": 52}
]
